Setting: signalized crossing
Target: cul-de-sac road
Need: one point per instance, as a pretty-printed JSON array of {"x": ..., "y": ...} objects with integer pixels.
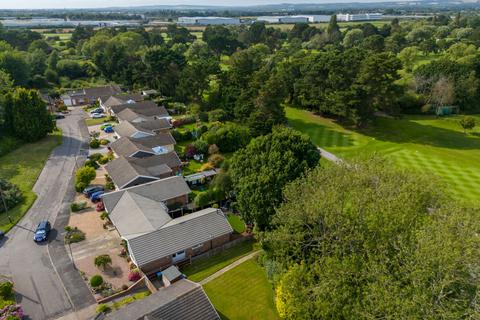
[{"x": 46, "y": 286}]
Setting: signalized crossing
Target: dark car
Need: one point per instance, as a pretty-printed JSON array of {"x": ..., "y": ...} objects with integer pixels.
[
  {"x": 97, "y": 110},
  {"x": 96, "y": 196},
  {"x": 88, "y": 191},
  {"x": 58, "y": 116},
  {"x": 2, "y": 234},
  {"x": 43, "y": 229}
]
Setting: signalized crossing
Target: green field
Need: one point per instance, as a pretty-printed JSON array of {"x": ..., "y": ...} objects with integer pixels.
[
  {"x": 424, "y": 143},
  {"x": 22, "y": 167},
  {"x": 243, "y": 293}
]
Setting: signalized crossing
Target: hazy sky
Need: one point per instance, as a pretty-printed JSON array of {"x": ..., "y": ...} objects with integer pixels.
[{"x": 47, "y": 4}]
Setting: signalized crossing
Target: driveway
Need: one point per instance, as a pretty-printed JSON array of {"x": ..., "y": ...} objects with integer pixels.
[{"x": 37, "y": 283}]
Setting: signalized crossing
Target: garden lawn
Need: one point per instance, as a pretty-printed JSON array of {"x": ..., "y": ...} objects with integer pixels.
[
  {"x": 22, "y": 167},
  {"x": 204, "y": 267},
  {"x": 236, "y": 222},
  {"x": 424, "y": 143},
  {"x": 243, "y": 293}
]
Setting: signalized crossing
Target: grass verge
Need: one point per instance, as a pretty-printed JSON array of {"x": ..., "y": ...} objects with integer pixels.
[{"x": 22, "y": 167}]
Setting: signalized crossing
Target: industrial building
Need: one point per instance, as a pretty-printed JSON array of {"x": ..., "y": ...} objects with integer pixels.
[
  {"x": 284, "y": 19},
  {"x": 358, "y": 16},
  {"x": 205, "y": 21}
]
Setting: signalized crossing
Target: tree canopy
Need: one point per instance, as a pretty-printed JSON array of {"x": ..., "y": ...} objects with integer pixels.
[{"x": 365, "y": 240}]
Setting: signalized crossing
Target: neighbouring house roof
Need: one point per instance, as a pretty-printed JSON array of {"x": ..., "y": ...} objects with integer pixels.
[
  {"x": 135, "y": 215},
  {"x": 120, "y": 99},
  {"x": 126, "y": 146},
  {"x": 127, "y": 128},
  {"x": 179, "y": 234},
  {"x": 124, "y": 170},
  {"x": 159, "y": 190},
  {"x": 95, "y": 92},
  {"x": 184, "y": 300},
  {"x": 171, "y": 273},
  {"x": 147, "y": 108}
]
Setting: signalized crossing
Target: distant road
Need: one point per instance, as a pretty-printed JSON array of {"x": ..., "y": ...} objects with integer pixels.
[{"x": 39, "y": 289}]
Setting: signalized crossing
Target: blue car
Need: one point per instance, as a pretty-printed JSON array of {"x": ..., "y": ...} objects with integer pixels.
[
  {"x": 108, "y": 129},
  {"x": 42, "y": 231},
  {"x": 96, "y": 196},
  {"x": 88, "y": 191}
]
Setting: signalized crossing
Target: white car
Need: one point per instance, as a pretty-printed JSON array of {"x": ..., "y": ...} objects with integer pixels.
[{"x": 97, "y": 115}]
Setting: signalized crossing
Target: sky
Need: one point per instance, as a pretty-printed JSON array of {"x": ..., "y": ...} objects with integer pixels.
[{"x": 59, "y": 4}]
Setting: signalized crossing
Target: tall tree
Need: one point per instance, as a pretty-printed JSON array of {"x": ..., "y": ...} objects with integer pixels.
[
  {"x": 261, "y": 170},
  {"x": 333, "y": 30},
  {"x": 366, "y": 241},
  {"x": 26, "y": 115}
]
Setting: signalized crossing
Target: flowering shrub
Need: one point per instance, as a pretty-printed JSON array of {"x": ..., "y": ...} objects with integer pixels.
[
  {"x": 134, "y": 275},
  {"x": 11, "y": 312}
]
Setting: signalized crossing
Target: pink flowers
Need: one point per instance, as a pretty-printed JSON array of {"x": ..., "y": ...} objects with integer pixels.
[
  {"x": 134, "y": 275},
  {"x": 13, "y": 310}
]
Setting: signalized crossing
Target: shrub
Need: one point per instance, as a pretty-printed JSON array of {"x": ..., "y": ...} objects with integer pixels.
[
  {"x": 217, "y": 115},
  {"x": 11, "y": 195},
  {"x": 96, "y": 281},
  {"x": 134, "y": 275},
  {"x": 213, "y": 149},
  {"x": 94, "y": 144},
  {"x": 84, "y": 176},
  {"x": 201, "y": 146},
  {"x": 68, "y": 229},
  {"x": 216, "y": 160},
  {"x": 180, "y": 136},
  {"x": 104, "y": 142},
  {"x": 6, "y": 291},
  {"x": 104, "y": 215},
  {"x": 184, "y": 120},
  {"x": 77, "y": 206},
  {"x": 124, "y": 287},
  {"x": 104, "y": 159},
  {"x": 228, "y": 137},
  {"x": 205, "y": 166},
  {"x": 74, "y": 236},
  {"x": 190, "y": 151},
  {"x": 102, "y": 261},
  {"x": 203, "y": 116},
  {"x": 95, "y": 156},
  {"x": 91, "y": 163},
  {"x": 103, "y": 308}
]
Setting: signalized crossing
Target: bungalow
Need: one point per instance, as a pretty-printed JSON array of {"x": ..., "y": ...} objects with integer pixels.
[
  {"x": 88, "y": 95},
  {"x": 139, "y": 111},
  {"x": 107, "y": 102},
  {"x": 154, "y": 238},
  {"x": 184, "y": 300},
  {"x": 144, "y": 147},
  {"x": 129, "y": 172},
  {"x": 142, "y": 129}
]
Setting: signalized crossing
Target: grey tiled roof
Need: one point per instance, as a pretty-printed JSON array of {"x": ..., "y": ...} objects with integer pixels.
[
  {"x": 123, "y": 170},
  {"x": 179, "y": 234},
  {"x": 121, "y": 98},
  {"x": 126, "y": 146},
  {"x": 127, "y": 129},
  {"x": 146, "y": 108},
  {"x": 183, "y": 300},
  {"x": 160, "y": 190}
]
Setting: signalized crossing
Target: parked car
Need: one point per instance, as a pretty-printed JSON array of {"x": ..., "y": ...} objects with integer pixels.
[
  {"x": 58, "y": 116},
  {"x": 88, "y": 191},
  {"x": 100, "y": 206},
  {"x": 42, "y": 231},
  {"x": 108, "y": 129},
  {"x": 98, "y": 110},
  {"x": 2, "y": 234},
  {"x": 97, "y": 115},
  {"x": 103, "y": 126},
  {"x": 96, "y": 196}
]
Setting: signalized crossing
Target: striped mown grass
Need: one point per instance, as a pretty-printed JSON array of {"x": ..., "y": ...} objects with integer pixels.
[{"x": 424, "y": 143}]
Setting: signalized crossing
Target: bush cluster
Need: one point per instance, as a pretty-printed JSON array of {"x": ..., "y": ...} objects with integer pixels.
[
  {"x": 77, "y": 206},
  {"x": 96, "y": 281},
  {"x": 11, "y": 195}
]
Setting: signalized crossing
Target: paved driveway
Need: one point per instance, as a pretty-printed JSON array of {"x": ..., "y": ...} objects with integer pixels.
[{"x": 39, "y": 288}]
